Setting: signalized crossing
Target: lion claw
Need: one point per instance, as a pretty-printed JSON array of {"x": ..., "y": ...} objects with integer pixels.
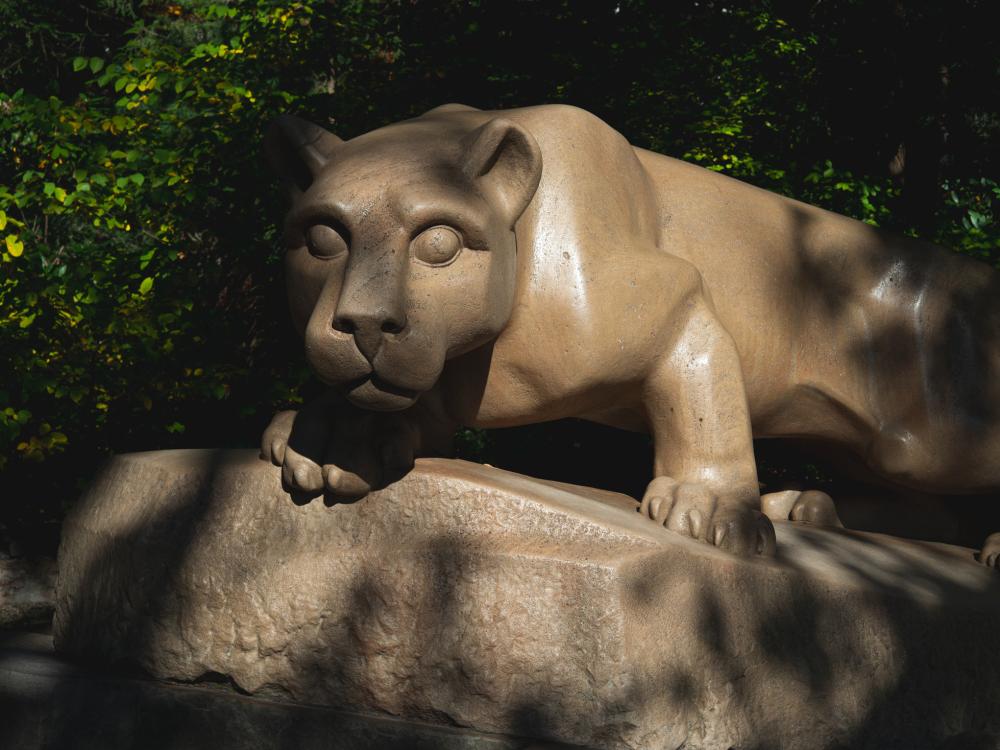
[{"x": 693, "y": 510}]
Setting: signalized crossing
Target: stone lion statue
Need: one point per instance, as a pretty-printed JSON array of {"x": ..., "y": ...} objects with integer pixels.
[{"x": 492, "y": 269}]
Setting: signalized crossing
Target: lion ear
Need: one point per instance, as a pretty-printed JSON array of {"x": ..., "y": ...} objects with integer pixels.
[
  {"x": 297, "y": 150},
  {"x": 506, "y": 162}
]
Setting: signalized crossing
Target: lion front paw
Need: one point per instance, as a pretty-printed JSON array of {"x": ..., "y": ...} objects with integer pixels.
[
  {"x": 694, "y": 510},
  {"x": 299, "y": 473},
  {"x": 275, "y": 438},
  {"x": 305, "y": 478},
  {"x": 341, "y": 453}
]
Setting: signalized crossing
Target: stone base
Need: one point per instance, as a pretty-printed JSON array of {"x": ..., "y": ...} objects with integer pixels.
[{"x": 472, "y": 597}]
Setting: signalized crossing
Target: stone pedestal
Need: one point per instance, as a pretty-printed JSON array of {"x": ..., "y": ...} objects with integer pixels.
[{"x": 471, "y": 597}]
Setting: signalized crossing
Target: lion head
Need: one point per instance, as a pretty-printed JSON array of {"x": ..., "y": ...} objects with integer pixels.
[{"x": 400, "y": 245}]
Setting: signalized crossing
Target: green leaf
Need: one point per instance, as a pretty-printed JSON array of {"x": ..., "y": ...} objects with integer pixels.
[
  {"x": 79, "y": 63},
  {"x": 146, "y": 285},
  {"x": 14, "y": 246},
  {"x": 96, "y": 64}
]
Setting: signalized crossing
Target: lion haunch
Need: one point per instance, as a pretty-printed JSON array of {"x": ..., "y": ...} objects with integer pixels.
[{"x": 501, "y": 268}]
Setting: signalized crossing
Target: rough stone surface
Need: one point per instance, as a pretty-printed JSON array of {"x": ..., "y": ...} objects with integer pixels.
[
  {"x": 469, "y": 596},
  {"x": 27, "y": 591}
]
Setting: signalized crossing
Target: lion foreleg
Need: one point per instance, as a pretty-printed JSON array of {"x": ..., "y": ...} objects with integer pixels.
[{"x": 706, "y": 477}]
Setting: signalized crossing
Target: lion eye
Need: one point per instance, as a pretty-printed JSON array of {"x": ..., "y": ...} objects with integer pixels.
[
  {"x": 325, "y": 242},
  {"x": 437, "y": 245}
]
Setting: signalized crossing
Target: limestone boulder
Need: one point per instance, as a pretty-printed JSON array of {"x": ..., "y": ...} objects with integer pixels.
[{"x": 468, "y": 596}]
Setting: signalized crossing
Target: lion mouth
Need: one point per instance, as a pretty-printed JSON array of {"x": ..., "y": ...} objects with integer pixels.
[
  {"x": 374, "y": 392},
  {"x": 397, "y": 390}
]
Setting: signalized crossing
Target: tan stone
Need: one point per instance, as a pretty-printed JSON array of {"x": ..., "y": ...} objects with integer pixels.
[
  {"x": 470, "y": 596},
  {"x": 497, "y": 268}
]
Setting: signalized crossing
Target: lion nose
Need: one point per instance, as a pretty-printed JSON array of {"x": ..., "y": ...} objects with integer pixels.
[{"x": 369, "y": 330}]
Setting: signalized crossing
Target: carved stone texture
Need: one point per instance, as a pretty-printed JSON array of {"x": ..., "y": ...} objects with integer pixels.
[{"x": 465, "y": 595}]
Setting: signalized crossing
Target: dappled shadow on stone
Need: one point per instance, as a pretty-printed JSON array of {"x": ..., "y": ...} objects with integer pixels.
[{"x": 454, "y": 599}]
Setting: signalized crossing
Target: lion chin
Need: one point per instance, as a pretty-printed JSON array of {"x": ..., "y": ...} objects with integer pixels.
[{"x": 376, "y": 394}]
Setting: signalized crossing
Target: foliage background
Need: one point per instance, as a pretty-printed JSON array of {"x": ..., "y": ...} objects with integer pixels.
[{"x": 140, "y": 297}]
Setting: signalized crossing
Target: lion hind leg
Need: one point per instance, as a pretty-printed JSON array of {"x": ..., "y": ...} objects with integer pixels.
[
  {"x": 989, "y": 555},
  {"x": 811, "y": 506}
]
